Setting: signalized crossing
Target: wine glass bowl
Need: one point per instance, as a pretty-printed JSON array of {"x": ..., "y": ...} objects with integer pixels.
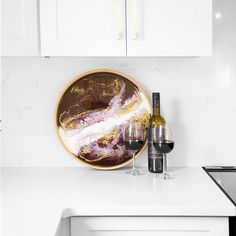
[
  {"x": 134, "y": 145},
  {"x": 134, "y": 138},
  {"x": 164, "y": 146}
]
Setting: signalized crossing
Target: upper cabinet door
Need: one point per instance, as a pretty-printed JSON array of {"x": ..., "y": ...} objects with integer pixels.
[
  {"x": 19, "y": 34},
  {"x": 83, "y": 27},
  {"x": 169, "y": 27}
]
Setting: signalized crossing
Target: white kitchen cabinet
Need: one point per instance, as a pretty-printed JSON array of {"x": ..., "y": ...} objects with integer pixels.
[
  {"x": 83, "y": 28},
  {"x": 169, "y": 27},
  {"x": 149, "y": 226},
  {"x": 106, "y": 27},
  {"x": 126, "y": 27},
  {"x": 19, "y": 36}
]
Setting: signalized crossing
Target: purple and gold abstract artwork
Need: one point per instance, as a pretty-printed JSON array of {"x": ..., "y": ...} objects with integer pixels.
[{"x": 92, "y": 112}]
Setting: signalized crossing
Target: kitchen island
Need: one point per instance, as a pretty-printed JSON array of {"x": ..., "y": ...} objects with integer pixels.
[{"x": 76, "y": 201}]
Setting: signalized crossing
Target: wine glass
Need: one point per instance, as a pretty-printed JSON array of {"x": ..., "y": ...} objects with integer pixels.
[
  {"x": 134, "y": 138},
  {"x": 163, "y": 143}
]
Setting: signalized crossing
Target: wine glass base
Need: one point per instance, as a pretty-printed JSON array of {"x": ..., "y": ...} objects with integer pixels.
[
  {"x": 135, "y": 172},
  {"x": 164, "y": 176}
]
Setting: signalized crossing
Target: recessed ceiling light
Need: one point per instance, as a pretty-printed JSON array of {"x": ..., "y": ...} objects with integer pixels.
[{"x": 218, "y": 15}]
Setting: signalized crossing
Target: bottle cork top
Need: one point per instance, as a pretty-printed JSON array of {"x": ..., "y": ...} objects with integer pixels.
[{"x": 156, "y": 95}]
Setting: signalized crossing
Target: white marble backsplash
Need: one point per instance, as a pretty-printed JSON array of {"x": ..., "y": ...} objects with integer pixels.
[{"x": 198, "y": 95}]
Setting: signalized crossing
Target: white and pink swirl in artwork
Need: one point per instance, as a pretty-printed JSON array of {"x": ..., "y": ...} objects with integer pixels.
[{"x": 97, "y": 124}]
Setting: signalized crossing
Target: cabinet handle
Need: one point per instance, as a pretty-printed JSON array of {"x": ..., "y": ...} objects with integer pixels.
[
  {"x": 134, "y": 20},
  {"x": 118, "y": 20}
]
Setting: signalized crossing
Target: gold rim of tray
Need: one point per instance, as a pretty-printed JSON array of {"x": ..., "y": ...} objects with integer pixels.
[{"x": 56, "y": 112}]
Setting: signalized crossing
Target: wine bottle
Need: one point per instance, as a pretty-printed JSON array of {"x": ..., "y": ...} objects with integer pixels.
[{"x": 155, "y": 159}]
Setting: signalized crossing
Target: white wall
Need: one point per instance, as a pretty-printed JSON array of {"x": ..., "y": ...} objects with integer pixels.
[{"x": 197, "y": 94}]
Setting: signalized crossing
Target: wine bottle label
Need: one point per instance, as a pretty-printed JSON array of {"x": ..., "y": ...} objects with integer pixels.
[{"x": 152, "y": 153}]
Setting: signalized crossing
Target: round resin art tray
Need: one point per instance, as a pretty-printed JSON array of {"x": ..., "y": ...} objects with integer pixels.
[{"x": 91, "y": 114}]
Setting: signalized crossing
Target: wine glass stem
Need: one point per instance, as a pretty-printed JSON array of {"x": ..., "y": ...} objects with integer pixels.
[
  {"x": 164, "y": 163},
  {"x": 133, "y": 160}
]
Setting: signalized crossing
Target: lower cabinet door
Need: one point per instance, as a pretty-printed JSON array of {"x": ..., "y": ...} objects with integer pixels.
[{"x": 149, "y": 226}]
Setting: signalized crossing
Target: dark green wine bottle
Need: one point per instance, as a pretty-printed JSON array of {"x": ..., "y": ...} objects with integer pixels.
[{"x": 155, "y": 159}]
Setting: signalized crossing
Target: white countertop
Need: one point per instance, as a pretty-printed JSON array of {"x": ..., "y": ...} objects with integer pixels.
[{"x": 35, "y": 200}]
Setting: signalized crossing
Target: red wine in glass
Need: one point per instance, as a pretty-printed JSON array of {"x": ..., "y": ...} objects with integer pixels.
[
  {"x": 134, "y": 145},
  {"x": 164, "y": 146}
]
